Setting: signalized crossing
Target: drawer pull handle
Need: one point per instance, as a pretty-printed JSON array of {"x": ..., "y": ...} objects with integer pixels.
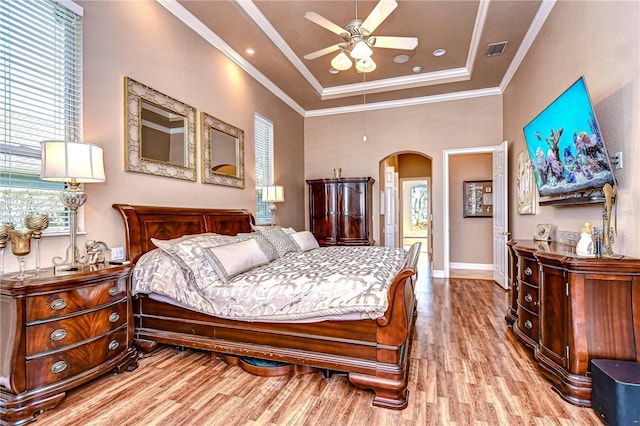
[
  {"x": 58, "y": 304},
  {"x": 58, "y": 334},
  {"x": 528, "y": 298},
  {"x": 538, "y": 303},
  {"x": 528, "y": 271},
  {"x": 114, "y": 345},
  {"x": 114, "y": 317},
  {"x": 58, "y": 367},
  {"x": 113, "y": 291},
  {"x": 528, "y": 324}
]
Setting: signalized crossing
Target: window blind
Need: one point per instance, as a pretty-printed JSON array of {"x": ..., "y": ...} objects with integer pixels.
[
  {"x": 263, "y": 165},
  {"x": 41, "y": 96}
]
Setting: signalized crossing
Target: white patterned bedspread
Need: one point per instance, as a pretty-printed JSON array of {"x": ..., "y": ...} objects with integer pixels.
[{"x": 328, "y": 281}]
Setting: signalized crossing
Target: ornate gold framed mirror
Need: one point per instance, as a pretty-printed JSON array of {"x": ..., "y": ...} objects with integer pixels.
[
  {"x": 160, "y": 135},
  {"x": 222, "y": 152}
]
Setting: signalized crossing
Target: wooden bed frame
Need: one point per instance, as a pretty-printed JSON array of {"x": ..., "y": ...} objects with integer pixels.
[{"x": 374, "y": 353}]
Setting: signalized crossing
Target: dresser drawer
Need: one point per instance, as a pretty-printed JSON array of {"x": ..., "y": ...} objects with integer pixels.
[
  {"x": 55, "y": 334},
  {"x": 54, "y": 305},
  {"x": 528, "y": 271},
  {"x": 528, "y": 297},
  {"x": 74, "y": 360},
  {"x": 528, "y": 324}
]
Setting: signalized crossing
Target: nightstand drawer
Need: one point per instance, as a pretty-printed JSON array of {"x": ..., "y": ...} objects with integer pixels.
[
  {"x": 65, "y": 363},
  {"x": 528, "y": 297},
  {"x": 63, "y": 332},
  {"x": 528, "y": 324},
  {"x": 528, "y": 271},
  {"x": 54, "y": 305}
]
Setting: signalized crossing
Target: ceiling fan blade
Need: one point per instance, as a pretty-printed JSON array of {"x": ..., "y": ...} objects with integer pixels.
[
  {"x": 389, "y": 42},
  {"x": 324, "y": 22},
  {"x": 379, "y": 14},
  {"x": 322, "y": 52}
]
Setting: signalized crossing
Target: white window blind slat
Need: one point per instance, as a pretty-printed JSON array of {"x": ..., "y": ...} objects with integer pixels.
[
  {"x": 263, "y": 164},
  {"x": 41, "y": 98}
]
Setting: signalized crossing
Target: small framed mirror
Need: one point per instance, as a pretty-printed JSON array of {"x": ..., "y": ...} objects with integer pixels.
[
  {"x": 222, "y": 152},
  {"x": 159, "y": 133}
]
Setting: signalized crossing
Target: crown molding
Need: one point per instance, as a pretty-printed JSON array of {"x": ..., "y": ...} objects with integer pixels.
[
  {"x": 196, "y": 25},
  {"x": 532, "y": 33},
  {"x": 478, "y": 27},
  {"x": 468, "y": 94},
  {"x": 388, "y": 84}
]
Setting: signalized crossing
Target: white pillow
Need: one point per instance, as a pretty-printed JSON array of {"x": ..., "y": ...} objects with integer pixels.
[
  {"x": 232, "y": 259},
  {"x": 306, "y": 240}
]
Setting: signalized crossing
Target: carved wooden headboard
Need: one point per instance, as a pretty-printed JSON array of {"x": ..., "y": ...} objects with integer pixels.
[{"x": 145, "y": 222}]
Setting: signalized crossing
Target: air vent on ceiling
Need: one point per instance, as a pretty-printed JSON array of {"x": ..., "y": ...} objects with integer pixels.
[{"x": 495, "y": 49}]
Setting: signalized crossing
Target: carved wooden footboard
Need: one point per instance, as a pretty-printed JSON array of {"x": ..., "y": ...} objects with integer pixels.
[{"x": 374, "y": 353}]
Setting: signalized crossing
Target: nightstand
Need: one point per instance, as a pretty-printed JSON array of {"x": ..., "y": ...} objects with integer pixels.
[{"x": 59, "y": 331}]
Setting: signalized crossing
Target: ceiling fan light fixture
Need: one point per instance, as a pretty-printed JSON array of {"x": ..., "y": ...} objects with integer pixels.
[
  {"x": 365, "y": 65},
  {"x": 341, "y": 61},
  {"x": 361, "y": 50}
]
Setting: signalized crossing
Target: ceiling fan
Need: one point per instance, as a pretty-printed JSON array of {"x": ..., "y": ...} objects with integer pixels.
[{"x": 357, "y": 38}]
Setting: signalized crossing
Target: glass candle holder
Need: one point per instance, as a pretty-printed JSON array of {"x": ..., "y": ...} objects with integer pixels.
[
  {"x": 37, "y": 223},
  {"x": 21, "y": 246},
  {"x": 5, "y": 228}
]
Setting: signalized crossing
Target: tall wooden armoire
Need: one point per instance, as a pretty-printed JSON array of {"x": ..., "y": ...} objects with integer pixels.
[{"x": 340, "y": 211}]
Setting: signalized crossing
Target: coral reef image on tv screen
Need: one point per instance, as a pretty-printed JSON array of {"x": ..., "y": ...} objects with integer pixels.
[{"x": 565, "y": 146}]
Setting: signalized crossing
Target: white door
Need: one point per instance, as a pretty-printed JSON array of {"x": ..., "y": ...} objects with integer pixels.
[
  {"x": 500, "y": 215},
  {"x": 389, "y": 206}
]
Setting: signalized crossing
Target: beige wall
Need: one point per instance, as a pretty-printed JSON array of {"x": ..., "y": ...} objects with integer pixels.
[
  {"x": 336, "y": 141},
  {"x": 142, "y": 40},
  {"x": 600, "y": 40},
  {"x": 471, "y": 239}
]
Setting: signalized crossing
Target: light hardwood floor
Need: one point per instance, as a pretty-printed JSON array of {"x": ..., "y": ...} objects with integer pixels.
[{"x": 466, "y": 368}]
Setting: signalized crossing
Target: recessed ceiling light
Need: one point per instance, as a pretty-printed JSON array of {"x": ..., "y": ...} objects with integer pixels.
[
  {"x": 401, "y": 59},
  {"x": 416, "y": 70},
  {"x": 333, "y": 71},
  {"x": 250, "y": 51},
  {"x": 439, "y": 52}
]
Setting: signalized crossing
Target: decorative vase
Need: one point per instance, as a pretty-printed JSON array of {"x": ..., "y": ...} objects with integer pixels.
[
  {"x": 37, "y": 223},
  {"x": 5, "y": 229},
  {"x": 21, "y": 246}
]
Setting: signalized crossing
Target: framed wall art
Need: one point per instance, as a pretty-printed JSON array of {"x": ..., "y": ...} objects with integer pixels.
[
  {"x": 478, "y": 198},
  {"x": 526, "y": 185}
]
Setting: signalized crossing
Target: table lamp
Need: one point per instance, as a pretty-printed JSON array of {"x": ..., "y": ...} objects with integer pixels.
[
  {"x": 273, "y": 194},
  {"x": 73, "y": 163}
]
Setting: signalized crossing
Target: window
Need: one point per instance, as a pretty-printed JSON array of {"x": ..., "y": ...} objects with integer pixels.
[
  {"x": 41, "y": 96},
  {"x": 264, "y": 165}
]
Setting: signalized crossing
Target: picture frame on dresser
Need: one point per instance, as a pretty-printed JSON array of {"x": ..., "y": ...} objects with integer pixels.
[{"x": 543, "y": 232}]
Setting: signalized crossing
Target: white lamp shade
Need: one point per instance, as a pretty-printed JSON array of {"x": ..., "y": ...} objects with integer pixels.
[
  {"x": 361, "y": 50},
  {"x": 365, "y": 65},
  {"x": 341, "y": 61},
  {"x": 63, "y": 161},
  {"x": 273, "y": 194}
]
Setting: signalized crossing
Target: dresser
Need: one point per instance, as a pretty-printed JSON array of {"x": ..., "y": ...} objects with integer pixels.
[
  {"x": 570, "y": 310},
  {"x": 60, "y": 331},
  {"x": 340, "y": 211}
]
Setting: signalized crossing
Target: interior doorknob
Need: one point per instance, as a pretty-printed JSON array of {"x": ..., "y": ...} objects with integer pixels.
[{"x": 505, "y": 233}]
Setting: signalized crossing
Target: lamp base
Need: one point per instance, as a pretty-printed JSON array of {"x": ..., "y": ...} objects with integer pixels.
[{"x": 272, "y": 210}]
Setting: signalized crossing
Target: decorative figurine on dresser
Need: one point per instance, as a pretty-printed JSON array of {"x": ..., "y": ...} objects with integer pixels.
[
  {"x": 60, "y": 330},
  {"x": 340, "y": 210},
  {"x": 571, "y": 309}
]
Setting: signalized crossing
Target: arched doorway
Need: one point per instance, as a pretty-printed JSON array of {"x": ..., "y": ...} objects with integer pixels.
[{"x": 405, "y": 200}]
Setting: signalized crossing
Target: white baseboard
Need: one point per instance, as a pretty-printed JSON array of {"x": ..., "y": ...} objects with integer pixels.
[
  {"x": 476, "y": 266},
  {"x": 437, "y": 273}
]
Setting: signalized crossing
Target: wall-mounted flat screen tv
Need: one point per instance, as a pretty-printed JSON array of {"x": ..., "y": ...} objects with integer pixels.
[{"x": 565, "y": 146}]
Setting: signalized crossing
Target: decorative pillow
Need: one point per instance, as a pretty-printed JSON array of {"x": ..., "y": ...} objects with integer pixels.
[
  {"x": 281, "y": 241},
  {"x": 188, "y": 252},
  {"x": 268, "y": 248},
  {"x": 260, "y": 228},
  {"x": 305, "y": 240},
  {"x": 232, "y": 259}
]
